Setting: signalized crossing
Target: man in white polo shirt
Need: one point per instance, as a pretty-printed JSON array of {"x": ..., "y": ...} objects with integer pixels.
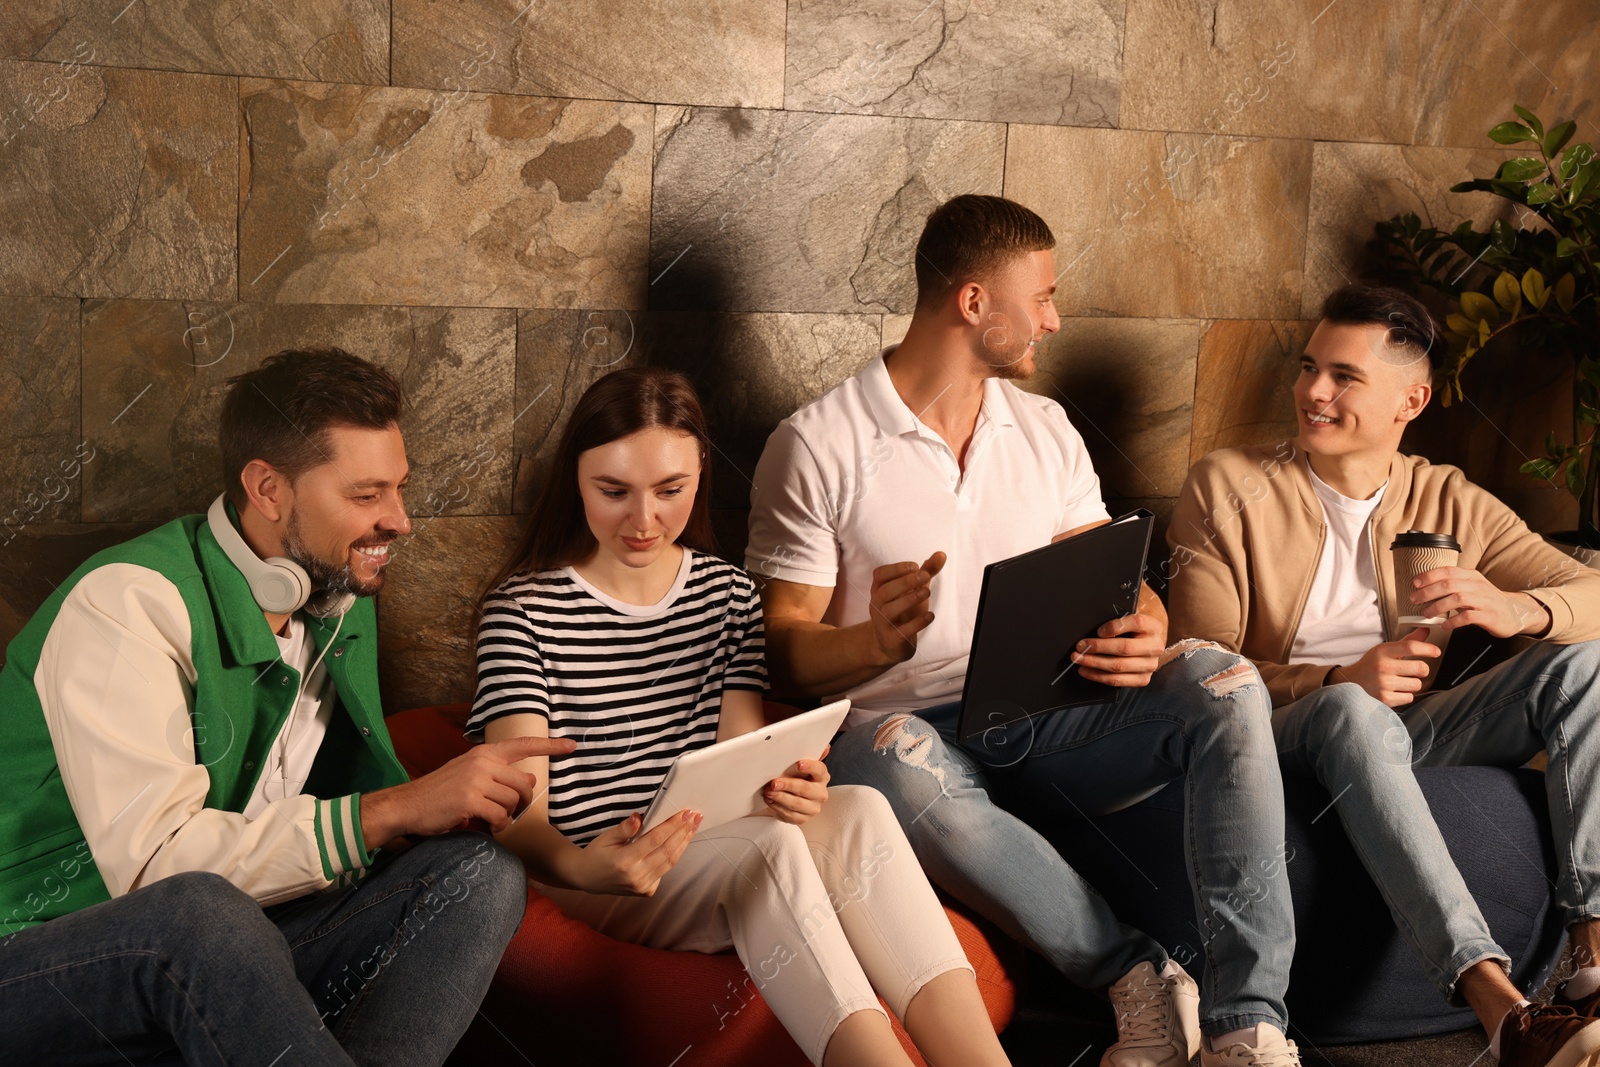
[{"x": 931, "y": 454}]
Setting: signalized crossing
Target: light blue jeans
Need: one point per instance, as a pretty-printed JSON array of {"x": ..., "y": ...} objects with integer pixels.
[
  {"x": 1204, "y": 717},
  {"x": 1362, "y": 752},
  {"x": 190, "y": 969}
]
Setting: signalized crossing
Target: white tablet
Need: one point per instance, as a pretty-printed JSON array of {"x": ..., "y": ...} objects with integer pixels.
[{"x": 726, "y": 781}]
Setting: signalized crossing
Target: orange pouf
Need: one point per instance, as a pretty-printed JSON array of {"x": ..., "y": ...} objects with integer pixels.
[{"x": 565, "y": 993}]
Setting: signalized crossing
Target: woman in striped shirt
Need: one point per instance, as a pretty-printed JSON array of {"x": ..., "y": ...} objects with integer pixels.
[{"x": 612, "y": 625}]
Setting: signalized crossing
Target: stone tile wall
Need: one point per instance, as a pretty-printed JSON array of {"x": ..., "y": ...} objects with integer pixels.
[{"x": 502, "y": 199}]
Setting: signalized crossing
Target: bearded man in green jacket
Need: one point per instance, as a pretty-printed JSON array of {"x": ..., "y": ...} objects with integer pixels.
[{"x": 208, "y": 850}]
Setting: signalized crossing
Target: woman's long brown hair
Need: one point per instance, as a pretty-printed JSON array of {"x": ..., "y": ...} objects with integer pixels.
[{"x": 621, "y": 403}]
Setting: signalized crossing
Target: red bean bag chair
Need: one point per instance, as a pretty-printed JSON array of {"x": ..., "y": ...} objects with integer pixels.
[{"x": 566, "y": 994}]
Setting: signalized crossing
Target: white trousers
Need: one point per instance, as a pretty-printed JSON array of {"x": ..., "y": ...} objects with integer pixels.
[{"x": 825, "y": 916}]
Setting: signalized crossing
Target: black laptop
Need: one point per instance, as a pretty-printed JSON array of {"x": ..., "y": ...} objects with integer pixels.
[{"x": 1034, "y": 610}]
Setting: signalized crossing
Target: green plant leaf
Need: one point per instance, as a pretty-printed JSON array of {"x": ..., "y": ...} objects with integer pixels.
[
  {"x": 1574, "y": 157},
  {"x": 1502, "y": 236},
  {"x": 1590, "y": 415},
  {"x": 1540, "y": 468},
  {"x": 1520, "y": 170},
  {"x": 1565, "y": 247},
  {"x": 1557, "y": 138},
  {"x": 1530, "y": 118},
  {"x": 1533, "y": 287},
  {"x": 1575, "y": 479},
  {"x": 1512, "y": 133},
  {"x": 1542, "y": 193},
  {"x": 1460, "y": 325},
  {"x": 1479, "y": 308},
  {"x": 1563, "y": 290},
  {"x": 1507, "y": 293},
  {"x": 1583, "y": 180}
]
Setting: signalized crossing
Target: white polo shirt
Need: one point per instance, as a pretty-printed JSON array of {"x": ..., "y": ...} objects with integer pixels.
[{"x": 854, "y": 480}]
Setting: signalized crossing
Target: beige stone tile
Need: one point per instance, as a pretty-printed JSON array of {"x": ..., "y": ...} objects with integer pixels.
[
  {"x": 1413, "y": 71},
  {"x": 116, "y": 182},
  {"x": 427, "y": 631},
  {"x": 894, "y": 329},
  {"x": 1354, "y": 186},
  {"x": 715, "y": 52},
  {"x": 42, "y": 451},
  {"x": 405, "y": 196},
  {"x": 326, "y": 40},
  {"x": 456, "y": 366},
  {"x": 138, "y": 378},
  {"x": 1173, "y": 225},
  {"x": 782, "y": 211},
  {"x": 1055, "y": 61},
  {"x": 1244, "y": 384},
  {"x": 1481, "y": 58},
  {"x": 1128, "y": 385}
]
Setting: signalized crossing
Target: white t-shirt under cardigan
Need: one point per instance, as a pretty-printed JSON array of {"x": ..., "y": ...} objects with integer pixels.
[
  {"x": 1342, "y": 619},
  {"x": 634, "y": 685}
]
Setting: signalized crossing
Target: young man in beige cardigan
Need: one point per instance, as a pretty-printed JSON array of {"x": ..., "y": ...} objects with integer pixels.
[{"x": 1283, "y": 553}]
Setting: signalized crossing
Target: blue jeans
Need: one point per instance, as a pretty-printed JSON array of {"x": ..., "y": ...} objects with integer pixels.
[
  {"x": 1204, "y": 717},
  {"x": 1362, "y": 752},
  {"x": 192, "y": 970}
]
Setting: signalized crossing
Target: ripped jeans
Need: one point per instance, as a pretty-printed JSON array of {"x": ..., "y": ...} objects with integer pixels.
[{"x": 1206, "y": 717}]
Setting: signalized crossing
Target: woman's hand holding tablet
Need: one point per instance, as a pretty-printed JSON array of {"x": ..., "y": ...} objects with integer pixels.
[{"x": 799, "y": 795}]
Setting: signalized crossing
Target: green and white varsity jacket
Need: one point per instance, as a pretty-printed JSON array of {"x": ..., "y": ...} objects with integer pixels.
[{"x": 137, "y": 709}]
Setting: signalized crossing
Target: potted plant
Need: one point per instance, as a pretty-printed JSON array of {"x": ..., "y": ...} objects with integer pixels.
[{"x": 1527, "y": 285}]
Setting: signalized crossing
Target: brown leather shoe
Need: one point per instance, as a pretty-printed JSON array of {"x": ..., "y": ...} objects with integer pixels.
[
  {"x": 1549, "y": 1035},
  {"x": 1589, "y": 1005}
]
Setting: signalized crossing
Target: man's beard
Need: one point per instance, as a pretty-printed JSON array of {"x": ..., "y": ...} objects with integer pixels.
[
  {"x": 326, "y": 577},
  {"x": 1007, "y": 362},
  {"x": 1000, "y": 350}
]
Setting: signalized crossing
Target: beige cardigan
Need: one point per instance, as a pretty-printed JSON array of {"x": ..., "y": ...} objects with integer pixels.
[{"x": 1248, "y": 530}]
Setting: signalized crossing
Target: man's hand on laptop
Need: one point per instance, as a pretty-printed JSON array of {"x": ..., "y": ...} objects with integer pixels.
[
  {"x": 1123, "y": 652},
  {"x": 900, "y": 593},
  {"x": 482, "y": 783}
]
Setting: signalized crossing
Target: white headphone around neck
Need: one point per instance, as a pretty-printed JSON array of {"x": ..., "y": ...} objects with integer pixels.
[{"x": 280, "y": 585}]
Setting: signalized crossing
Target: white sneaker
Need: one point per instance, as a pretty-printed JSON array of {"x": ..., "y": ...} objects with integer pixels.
[
  {"x": 1158, "y": 1019},
  {"x": 1271, "y": 1049}
]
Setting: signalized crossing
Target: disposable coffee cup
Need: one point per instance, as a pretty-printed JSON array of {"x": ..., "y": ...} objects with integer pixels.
[{"x": 1415, "y": 553}]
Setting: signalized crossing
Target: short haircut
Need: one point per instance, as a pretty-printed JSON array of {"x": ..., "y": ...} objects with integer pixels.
[
  {"x": 283, "y": 411},
  {"x": 1409, "y": 323},
  {"x": 969, "y": 237}
]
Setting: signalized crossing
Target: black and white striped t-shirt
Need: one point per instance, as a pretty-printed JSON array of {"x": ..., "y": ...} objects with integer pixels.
[{"x": 634, "y": 685}]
